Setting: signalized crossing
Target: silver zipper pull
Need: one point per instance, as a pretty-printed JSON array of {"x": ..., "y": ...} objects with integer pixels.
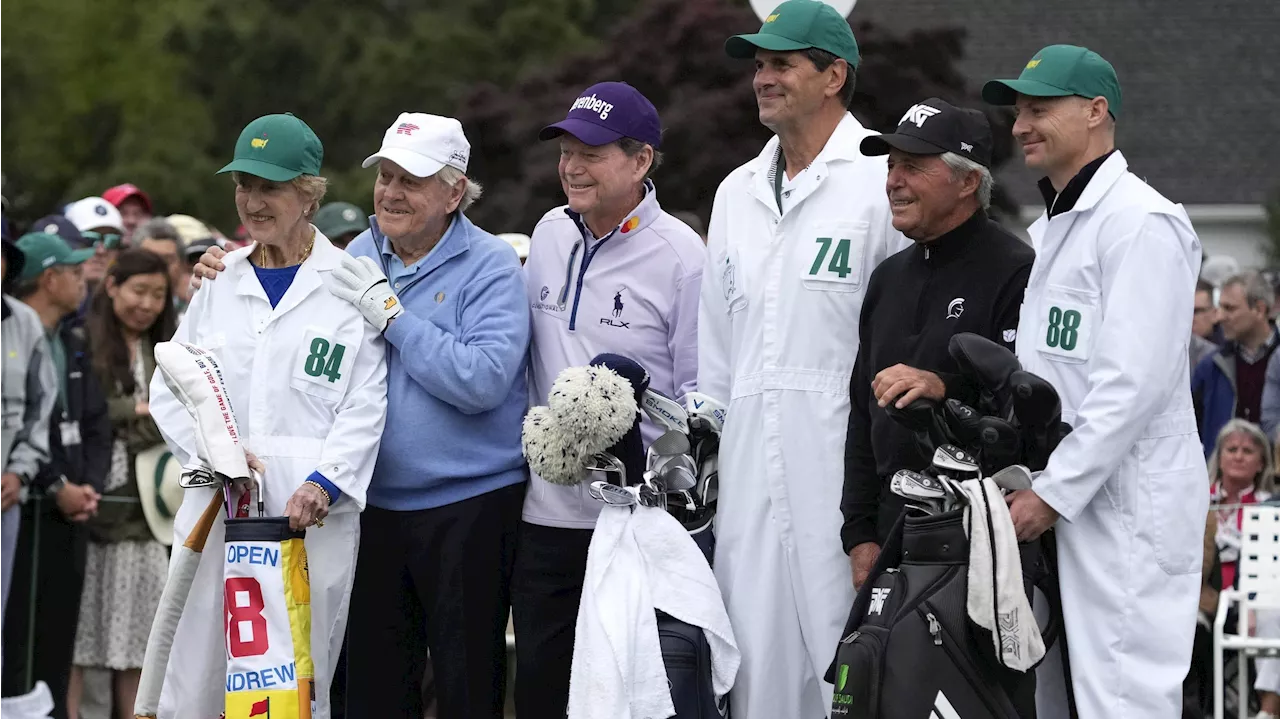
[
  {"x": 935, "y": 629},
  {"x": 849, "y": 639}
]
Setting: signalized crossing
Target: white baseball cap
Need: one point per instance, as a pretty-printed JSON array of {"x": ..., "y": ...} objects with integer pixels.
[
  {"x": 92, "y": 213},
  {"x": 422, "y": 144}
]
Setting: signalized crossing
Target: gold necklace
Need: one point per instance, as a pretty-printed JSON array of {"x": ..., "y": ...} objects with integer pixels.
[{"x": 262, "y": 254}]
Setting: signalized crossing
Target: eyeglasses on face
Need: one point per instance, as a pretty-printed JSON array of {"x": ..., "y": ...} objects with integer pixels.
[{"x": 108, "y": 241}]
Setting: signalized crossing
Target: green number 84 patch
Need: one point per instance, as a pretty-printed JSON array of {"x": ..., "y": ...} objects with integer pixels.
[{"x": 325, "y": 360}]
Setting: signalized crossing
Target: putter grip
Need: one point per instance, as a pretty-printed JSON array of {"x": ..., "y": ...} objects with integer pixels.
[{"x": 172, "y": 601}]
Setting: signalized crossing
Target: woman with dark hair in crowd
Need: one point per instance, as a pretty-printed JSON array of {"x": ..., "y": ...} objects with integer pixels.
[{"x": 126, "y": 566}]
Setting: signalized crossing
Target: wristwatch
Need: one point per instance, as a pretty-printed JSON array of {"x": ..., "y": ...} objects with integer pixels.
[{"x": 56, "y": 487}]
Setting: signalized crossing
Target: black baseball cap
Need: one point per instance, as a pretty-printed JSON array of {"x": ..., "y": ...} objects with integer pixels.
[{"x": 933, "y": 127}]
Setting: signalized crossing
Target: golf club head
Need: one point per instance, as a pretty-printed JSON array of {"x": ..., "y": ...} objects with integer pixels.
[
  {"x": 952, "y": 461},
  {"x": 664, "y": 411},
  {"x": 922, "y": 417},
  {"x": 962, "y": 421},
  {"x": 916, "y": 486},
  {"x": 679, "y": 478},
  {"x": 1035, "y": 401},
  {"x": 990, "y": 364},
  {"x": 612, "y": 494},
  {"x": 1000, "y": 444},
  {"x": 609, "y": 464},
  {"x": 1013, "y": 478},
  {"x": 671, "y": 443},
  {"x": 652, "y": 493},
  {"x": 197, "y": 475},
  {"x": 704, "y": 412}
]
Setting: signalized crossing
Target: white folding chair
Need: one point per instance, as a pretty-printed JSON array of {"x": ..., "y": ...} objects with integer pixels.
[{"x": 1258, "y": 581}]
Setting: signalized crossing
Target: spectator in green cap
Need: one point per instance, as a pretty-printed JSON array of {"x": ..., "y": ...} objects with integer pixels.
[
  {"x": 793, "y": 238},
  {"x": 1105, "y": 319},
  {"x": 39, "y": 638},
  {"x": 341, "y": 222}
]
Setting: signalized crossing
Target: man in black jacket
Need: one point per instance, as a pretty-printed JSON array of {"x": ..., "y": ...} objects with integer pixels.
[
  {"x": 49, "y": 568},
  {"x": 964, "y": 274}
]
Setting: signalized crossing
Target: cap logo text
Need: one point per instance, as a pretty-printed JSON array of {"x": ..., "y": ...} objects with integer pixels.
[
  {"x": 771, "y": 18},
  {"x": 966, "y": 147},
  {"x": 600, "y": 107},
  {"x": 918, "y": 114},
  {"x": 1032, "y": 64},
  {"x": 406, "y": 128},
  {"x": 258, "y": 143}
]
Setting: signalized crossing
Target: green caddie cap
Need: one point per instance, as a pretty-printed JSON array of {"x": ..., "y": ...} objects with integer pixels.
[
  {"x": 799, "y": 25},
  {"x": 42, "y": 250},
  {"x": 277, "y": 148},
  {"x": 1059, "y": 71}
]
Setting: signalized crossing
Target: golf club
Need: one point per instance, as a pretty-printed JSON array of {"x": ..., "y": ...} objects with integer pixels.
[
  {"x": 605, "y": 462},
  {"x": 920, "y": 489},
  {"x": 1013, "y": 478},
  {"x": 951, "y": 460},
  {"x": 612, "y": 494}
]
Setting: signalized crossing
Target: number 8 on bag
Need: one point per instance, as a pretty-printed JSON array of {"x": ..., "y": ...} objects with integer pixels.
[{"x": 267, "y": 610}]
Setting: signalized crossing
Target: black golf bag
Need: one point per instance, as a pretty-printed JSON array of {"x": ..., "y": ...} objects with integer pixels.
[
  {"x": 909, "y": 649},
  {"x": 687, "y": 657}
]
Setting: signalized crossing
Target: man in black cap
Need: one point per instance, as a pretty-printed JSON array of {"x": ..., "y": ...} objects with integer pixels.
[{"x": 965, "y": 273}]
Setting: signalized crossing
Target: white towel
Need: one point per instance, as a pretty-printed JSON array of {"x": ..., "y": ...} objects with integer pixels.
[
  {"x": 1016, "y": 636},
  {"x": 640, "y": 561}
]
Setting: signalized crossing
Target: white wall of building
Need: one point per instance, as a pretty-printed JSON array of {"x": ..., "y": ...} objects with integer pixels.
[{"x": 1238, "y": 231}]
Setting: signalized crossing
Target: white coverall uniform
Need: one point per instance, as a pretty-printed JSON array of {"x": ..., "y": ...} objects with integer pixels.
[
  {"x": 1106, "y": 319},
  {"x": 777, "y": 337},
  {"x": 296, "y": 423}
]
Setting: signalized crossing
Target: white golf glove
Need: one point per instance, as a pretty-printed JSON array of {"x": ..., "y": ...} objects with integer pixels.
[{"x": 361, "y": 282}]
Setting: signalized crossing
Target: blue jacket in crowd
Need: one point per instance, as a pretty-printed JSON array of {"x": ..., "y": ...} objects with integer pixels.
[{"x": 1213, "y": 385}]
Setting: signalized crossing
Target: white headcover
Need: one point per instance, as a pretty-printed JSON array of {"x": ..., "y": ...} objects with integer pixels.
[{"x": 194, "y": 376}]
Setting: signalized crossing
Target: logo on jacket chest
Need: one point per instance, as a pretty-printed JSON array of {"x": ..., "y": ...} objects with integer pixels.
[
  {"x": 955, "y": 308},
  {"x": 545, "y": 306},
  {"x": 618, "y": 306}
]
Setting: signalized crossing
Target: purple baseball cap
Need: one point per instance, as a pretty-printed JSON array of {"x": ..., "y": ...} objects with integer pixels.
[{"x": 607, "y": 112}]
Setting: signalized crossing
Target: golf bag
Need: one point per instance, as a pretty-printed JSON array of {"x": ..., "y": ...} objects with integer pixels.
[
  {"x": 268, "y": 614},
  {"x": 910, "y": 650},
  {"x": 677, "y": 474},
  {"x": 687, "y": 657}
]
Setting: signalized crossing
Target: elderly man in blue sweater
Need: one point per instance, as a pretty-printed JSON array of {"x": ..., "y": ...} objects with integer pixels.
[{"x": 437, "y": 537}]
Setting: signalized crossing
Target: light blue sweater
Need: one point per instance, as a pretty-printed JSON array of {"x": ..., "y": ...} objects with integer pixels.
[{"x": 456, "y": 390}]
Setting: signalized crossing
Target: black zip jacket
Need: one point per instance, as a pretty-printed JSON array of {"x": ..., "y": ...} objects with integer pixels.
[
  {"x": 969, "y": 280},
  {"x": 89, "y": 461}
]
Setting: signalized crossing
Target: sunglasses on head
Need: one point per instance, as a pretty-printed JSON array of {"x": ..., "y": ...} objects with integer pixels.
[{"x": 108, "y": 241}]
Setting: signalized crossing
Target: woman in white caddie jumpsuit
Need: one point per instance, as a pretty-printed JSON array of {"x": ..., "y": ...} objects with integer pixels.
[{"x": 306, "y": 376}]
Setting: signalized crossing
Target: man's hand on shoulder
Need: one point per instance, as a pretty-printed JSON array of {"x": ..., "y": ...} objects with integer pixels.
[
  {"x": 906, "y": 384},
  {"x": 208, "y": 267},
  {"x": 361, "y": 282}
]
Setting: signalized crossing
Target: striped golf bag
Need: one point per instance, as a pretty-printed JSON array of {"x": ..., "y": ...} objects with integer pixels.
[{"x": 267, "y": 601}]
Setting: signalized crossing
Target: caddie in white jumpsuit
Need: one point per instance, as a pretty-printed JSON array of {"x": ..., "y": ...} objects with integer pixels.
[
  {"x": 794, "y": 236},
  {"x": 1106, "y": 319},
  {"x": 306, "y": 376}
]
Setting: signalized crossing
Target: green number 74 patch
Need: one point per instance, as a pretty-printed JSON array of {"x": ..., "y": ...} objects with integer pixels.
[{"x": 839, "y": 262}]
